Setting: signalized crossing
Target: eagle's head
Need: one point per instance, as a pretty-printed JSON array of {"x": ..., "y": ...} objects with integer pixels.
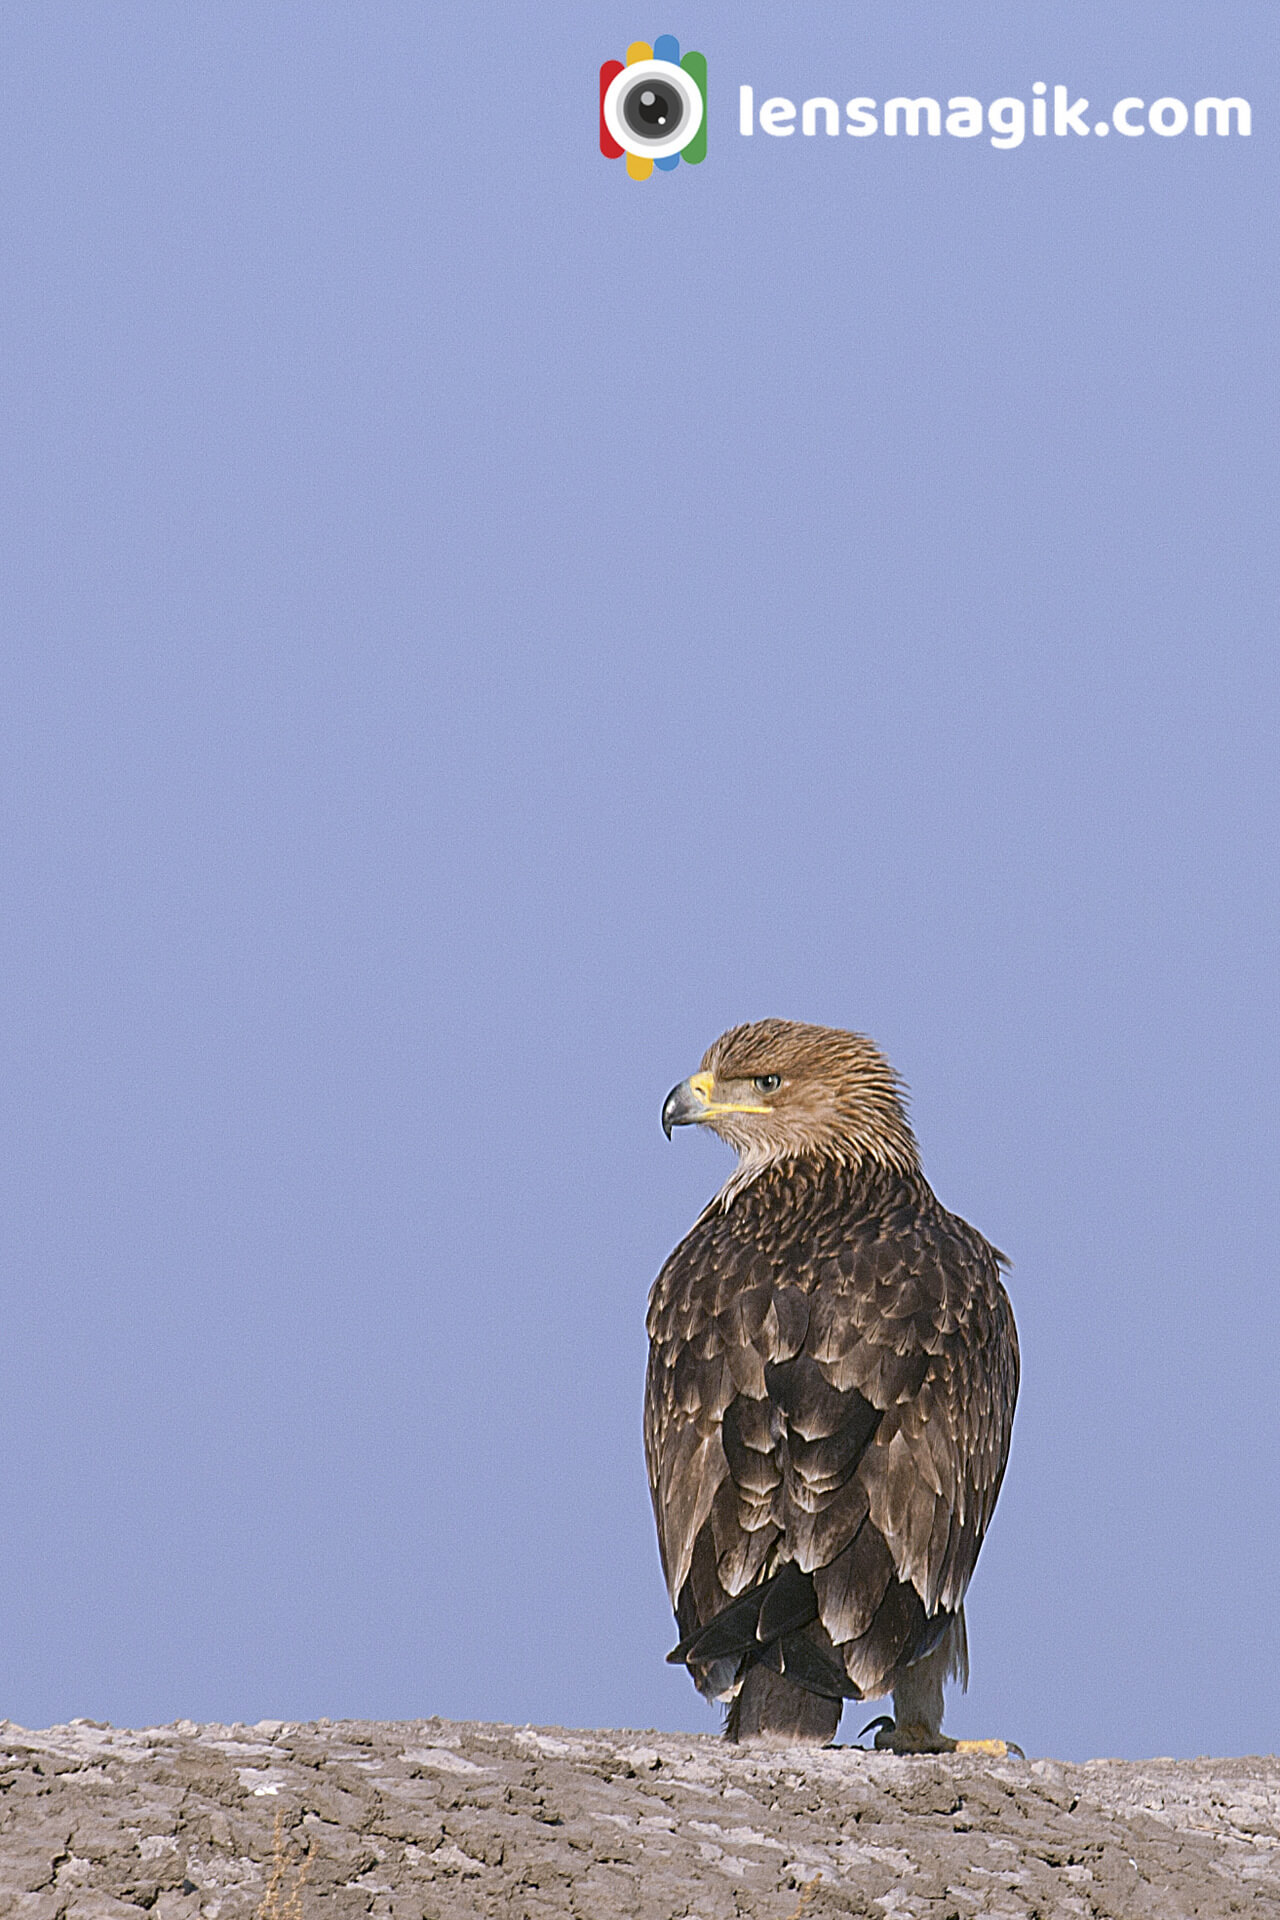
[{"x": 782, "y": 1090}]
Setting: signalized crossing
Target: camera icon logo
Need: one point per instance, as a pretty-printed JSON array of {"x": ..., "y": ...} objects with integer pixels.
[{"x": 653, "y": 107}]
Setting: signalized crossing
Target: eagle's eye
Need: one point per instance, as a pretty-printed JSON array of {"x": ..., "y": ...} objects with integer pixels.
[{"x": 768, "y": 1082}]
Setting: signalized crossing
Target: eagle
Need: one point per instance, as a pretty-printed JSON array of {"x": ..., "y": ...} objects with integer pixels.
[{"x": 833, "y": 1367}]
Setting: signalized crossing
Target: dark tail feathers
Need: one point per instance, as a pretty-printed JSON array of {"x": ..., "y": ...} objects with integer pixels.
[{"x": 766, "y": 1626}]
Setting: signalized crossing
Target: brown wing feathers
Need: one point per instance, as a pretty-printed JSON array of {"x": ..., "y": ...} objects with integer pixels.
[{"x": 831, "y": 1380}]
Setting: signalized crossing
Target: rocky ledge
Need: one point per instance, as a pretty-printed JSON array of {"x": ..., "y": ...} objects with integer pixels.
[{"x": 433, "y": 1819}]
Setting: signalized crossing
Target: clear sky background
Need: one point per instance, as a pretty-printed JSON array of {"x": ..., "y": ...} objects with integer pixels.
[{"x": 474, "y": 629}]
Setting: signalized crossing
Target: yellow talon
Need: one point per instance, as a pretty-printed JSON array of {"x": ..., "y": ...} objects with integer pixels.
[{"x": 915, "y": 1737}]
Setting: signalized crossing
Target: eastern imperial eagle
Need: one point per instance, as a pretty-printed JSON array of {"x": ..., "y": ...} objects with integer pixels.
[{"x": 833, "y": 1367}]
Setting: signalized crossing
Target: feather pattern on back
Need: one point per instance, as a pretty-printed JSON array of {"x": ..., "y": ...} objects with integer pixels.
[{"x": 832, "y": 1375}]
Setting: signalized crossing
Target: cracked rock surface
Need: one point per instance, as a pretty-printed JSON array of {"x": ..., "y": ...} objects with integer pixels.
[{"x": 433, "y": 1819}]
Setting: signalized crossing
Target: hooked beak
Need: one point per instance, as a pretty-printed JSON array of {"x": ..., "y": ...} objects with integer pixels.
[
  {"x": 688, "y": 1103},
  {"x": 691, "y": 1103}
]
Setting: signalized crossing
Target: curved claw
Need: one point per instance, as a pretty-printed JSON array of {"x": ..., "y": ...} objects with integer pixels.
[
  {"x": 883, "y": 1723},
  {"x": 993, "y": 1749}
]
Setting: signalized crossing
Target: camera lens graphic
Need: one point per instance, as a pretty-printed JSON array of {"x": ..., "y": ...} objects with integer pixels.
[{"x": 652, "y": 109}]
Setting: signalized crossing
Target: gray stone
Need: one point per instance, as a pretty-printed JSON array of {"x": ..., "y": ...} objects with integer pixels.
[{"x": 433, "y": 1821}]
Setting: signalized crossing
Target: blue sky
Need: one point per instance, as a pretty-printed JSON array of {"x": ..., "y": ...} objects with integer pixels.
[{"x": 475, "y": 628}]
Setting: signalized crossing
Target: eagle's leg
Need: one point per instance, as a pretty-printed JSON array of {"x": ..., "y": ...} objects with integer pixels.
[
  {"x": 896, "y": 1736},
  {"x": 774, "y": 1707},
  {"x": 774, "y": 1710},
  {"x": 916, "y": 1726}
]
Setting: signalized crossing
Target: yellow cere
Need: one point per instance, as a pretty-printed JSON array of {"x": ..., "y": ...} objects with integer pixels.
[{"x": 703, "y": 1084}]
